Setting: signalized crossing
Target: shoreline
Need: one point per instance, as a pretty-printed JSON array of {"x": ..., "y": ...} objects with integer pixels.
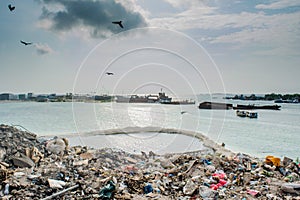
[{"x": 207, "y": 142}]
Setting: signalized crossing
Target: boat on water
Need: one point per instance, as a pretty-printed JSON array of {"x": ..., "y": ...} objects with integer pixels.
[
  {"x": 286, "y": 101},
  {"x": 251, "y": 114},
  {"x": 241, "y": 113},
  {"x": 131, "y": 99},
  {"x": 184, "y": 102},
  {"x": 161, "y": 98},
  {"x": 213, "y": 105},
  {"x": 252, "y": 107}
]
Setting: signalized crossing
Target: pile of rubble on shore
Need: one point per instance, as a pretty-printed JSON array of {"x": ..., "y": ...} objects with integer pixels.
[{"x": 34, "y": 169}]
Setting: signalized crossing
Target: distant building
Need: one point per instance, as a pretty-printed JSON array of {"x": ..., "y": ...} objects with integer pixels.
[
  {"x": 29, "y": 95},
  {"x": 8, "y": 96},
  {"x": 103, "y": 98},
  {"x": 42, "y": 98},
  {"x": 52, "y": 97},
  {"x": 22, "y": 96},
  {"x": 5, "y": 96}
]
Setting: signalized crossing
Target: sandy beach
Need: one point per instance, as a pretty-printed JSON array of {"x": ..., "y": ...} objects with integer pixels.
[{"x": 34, "y": 168}]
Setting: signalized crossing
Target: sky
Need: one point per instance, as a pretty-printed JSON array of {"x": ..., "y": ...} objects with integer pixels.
[{"x": 180, "y": 46}]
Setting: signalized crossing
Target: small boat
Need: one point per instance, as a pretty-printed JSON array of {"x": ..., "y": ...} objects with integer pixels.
[
  {"x": 252, "y": 107},
  {"x": 251, "y": 114},
  {"x": 241, "y": 113}
]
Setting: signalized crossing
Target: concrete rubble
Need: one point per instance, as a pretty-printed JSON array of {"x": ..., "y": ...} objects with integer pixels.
[{"x": 31, "y": 168}]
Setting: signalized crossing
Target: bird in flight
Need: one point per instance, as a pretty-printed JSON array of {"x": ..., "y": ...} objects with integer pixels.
[
  {"x": 109, "y": 73},
  {"x": 182, "y": 112},
  {"x": 11, "y": 8},
  {"x": 120, "y": 23},
  {"x": 25, "y": 43}
]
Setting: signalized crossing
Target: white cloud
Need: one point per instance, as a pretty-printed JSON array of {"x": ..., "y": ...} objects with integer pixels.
[
  {"x": 194, "y": 17},
  {"x": 280, "y": 4},
  {"x": 184, "y": 3},
  {"x": 279, "y": 32},
  {"x": 43, "y": 49},
  {"x": 245, "y": 29}
]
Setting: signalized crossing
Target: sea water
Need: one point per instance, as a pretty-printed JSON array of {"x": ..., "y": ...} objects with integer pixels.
[{"x": 272, "y": 133}]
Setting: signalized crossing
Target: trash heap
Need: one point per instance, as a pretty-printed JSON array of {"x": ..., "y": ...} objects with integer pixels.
[{"x": 35, "y": 169}]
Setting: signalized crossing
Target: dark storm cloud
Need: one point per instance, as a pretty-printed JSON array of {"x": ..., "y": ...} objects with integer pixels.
[{"x": 97, "y": 15}]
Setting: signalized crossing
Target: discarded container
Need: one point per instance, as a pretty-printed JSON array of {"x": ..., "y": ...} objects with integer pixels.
[
  {"x": 273, "y": 160},
  {"x": 148, "y": 188},
  {"x": 206, "y": 162},
  {"x": 56, "y": 183},
  {"x": 107, "y": 192},
  {"x": 253, "y": 192},
  {"x": 222, "y": 182},
  {"x": 220, "y": 175}
]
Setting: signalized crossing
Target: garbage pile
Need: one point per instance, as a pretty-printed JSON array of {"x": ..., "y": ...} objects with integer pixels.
[{"x": 35, "y": 169}]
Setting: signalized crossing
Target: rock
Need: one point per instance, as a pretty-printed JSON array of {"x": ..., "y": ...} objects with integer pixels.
[
  {"x": 19, "y": 174},
  {"x": 57, "y": 145},
  {"x": 22, "y": 161},
  {"x": 131, "y": 160},
  {"x": 206, "y": 193},
  {"x": 86, "y": 155},
  {"x": 189, "y": 187},
  {"x": 166, "y": 163},
  {"x": 34, "y": 154},
  {"x": 2, "y": 153},
  {"x": 81, "y": 162}
]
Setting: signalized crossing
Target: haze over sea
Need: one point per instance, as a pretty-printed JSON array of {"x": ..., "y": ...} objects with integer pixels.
[{"x": 272, "y": 133}]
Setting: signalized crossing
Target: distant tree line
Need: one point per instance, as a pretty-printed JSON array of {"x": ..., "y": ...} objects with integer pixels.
[
  {"x": 269, "y": 97},
  {"x": 274, "y": 96}
]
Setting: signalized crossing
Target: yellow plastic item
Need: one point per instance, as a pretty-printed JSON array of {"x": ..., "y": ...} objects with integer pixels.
[{"x": 273, "y": 160}]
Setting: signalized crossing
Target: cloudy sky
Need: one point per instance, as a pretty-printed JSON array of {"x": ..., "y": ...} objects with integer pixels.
[{"x": 183, "y": 46}]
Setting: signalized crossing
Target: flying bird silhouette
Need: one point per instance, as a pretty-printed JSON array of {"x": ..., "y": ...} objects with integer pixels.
[
  {"x": 182, "y": 112},
  {"x": 120, "y": 23},
  {"x": 11, "y": 8},
  {"x": 25, "y": 43},
  {"x": 109, "y": 73}
]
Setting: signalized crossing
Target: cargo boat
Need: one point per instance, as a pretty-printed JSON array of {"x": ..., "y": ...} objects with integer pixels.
[
  {"x": 213, "y": 105},
  {"x": 185, "y": 102},
  {"x": 252, "y": 107}
]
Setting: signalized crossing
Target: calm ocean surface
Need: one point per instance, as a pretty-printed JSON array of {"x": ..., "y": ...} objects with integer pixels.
[{"x": 272, "y": 133}]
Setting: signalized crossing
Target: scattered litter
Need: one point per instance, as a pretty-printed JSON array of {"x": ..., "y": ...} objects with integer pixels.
[{"x": 31, "y": 169}]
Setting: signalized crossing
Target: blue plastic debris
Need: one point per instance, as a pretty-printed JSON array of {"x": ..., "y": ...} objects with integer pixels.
[
  {"x": 106, "y": 193},
  {"x": 148, "y": 188}
]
